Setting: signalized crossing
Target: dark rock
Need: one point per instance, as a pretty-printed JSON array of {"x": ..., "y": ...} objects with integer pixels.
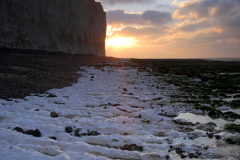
[
  {"x": 139, "y": 116},
  {"x": 76, "y": 132},
  {"x": 232, "y": 127},
  {"x": 68, "y": 129},
  {"x": 36, "y": 110},
  {"x": 29, "y": 132},
  {"x": 19, "y": 129},
  {"x": 51, "y": 95},
  {"x": 210, "y": 135},
  {"x": 132, "y": 147},
  {"x": 183, "y": 156},
  {"x": 92, "y": 76},
  {"x": 179, "y": 150},
  {"x": 53, "y": 138},
  {"x": 54, "y": 114},
  {"x": 195, "y": 156},
  {"x": 92, "y": 133},
  {"x": 191, "y": 155},
  {"x": 37, "y": 133},
  {"x": 218, "y": 137},
  {"x": 167, "y": 157},
  {"x": 125, "y": 89},
  {"x": 130, "y": 94}
]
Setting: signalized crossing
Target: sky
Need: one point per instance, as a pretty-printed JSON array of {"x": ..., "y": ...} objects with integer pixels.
[{"x": 172, "y": 28}]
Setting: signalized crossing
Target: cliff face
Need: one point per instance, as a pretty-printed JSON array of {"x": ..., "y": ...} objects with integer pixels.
[{"x": 72, "y": 26}]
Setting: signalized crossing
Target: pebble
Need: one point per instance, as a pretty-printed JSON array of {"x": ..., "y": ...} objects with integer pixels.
[
  {"x": 37, "y": 133},
  {"x": 19, "y": 129},
  {"x": 183, "y": 156},
  {"x": 132, "y": 147},
  {"x": 29, "y": 132},
  {"x": 53, "y": 138},
  {"x": 68, "y": 129},
  {"x": 191, "y": 155},
  {"x": 218, "y": 137},
  {"x": 54, "y": 114},
  {"x": 210, "y": 135}
]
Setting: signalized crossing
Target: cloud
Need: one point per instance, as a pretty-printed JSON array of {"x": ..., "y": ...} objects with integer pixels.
[
  {"x": 156, "y": 17},
  {"x": 210, "y": 28},
  {"x": 149, "y": 17},
  {"x": 145, "y": 33},
  {"x": 190, "y": 27},
  {"x": 174, "y": 2},
  {"x": 198, "y": 9},
  {"x": 112, "y": 2}
]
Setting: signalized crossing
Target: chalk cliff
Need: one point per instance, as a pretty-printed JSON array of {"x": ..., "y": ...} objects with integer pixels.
[{"x": 72, "y": 26}]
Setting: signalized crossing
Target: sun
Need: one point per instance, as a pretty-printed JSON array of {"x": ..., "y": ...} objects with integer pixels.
[{"x": 119, "y": 42}]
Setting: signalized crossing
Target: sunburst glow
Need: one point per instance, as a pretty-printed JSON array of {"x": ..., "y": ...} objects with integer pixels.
[
  {"x": 110, "y": 30},
  {"x": 119, "y": 41}
]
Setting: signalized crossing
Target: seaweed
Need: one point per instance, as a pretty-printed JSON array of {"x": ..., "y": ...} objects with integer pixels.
[
  {"x": 235, "y": 104},
  {"x": 232, "y": 127}
]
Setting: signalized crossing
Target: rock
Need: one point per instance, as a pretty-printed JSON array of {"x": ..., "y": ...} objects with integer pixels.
[
  {"x": 139, "y": 116},
  {"x": 183, "y": 156},
  {"x": 54, "y": 114},
  {"x": 51, "y": 95},
  {"x": 195, "y": 156},
  {"x": 224, "y": 108},
  {"x": 53, "y": 138},
  {"x": 233, "y": 139},
  {"x": 218, "y": 137},
  {"x": 183, "y": 122},
  {"x": 210, "y": 135},
  {"x": 92, "y": 133},
  {"x": 37, "y": 133},
  {"x": 205, "y": 147},
  {"x": 30, "y": 132},
  {"x": 232, "y": 127},
  {"x": 19, "y": 129},
  {"x": 36, "y": 110},
  {"x": 76, "y": 132},
  {"x": 191, "y": 155},
  {"x": 132, "y": 147},
  {"x": 186, "y": 129},
  {"x": 171, "y": 113},
  {"x": 50, "y": 31},
  {"x": 198, "y": 153},
  {"x": 125, "y": 89},
  {"x": 207, "y": 126},
  {"x": 68, "y": 129}
]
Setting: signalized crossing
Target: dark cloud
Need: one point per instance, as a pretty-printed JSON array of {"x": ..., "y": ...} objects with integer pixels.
[
  {"x": 195, "y": 26},
  {"x": 156, "y": 17},
  {"x": 150, "y": 17},
  {"x": 121, "y": 17},
  {"x": 112, "y": 2},
  {"x": 231, "y": 22}
]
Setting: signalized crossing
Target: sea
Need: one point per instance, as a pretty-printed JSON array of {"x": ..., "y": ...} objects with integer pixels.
[{"x": 224, "y": 59}]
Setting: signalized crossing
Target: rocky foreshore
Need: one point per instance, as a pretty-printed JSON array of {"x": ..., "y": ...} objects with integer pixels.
[{"x": 25, "y": 72}]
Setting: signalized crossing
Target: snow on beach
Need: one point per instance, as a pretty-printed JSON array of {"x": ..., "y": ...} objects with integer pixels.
[{"x": 115, "y": 113}]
